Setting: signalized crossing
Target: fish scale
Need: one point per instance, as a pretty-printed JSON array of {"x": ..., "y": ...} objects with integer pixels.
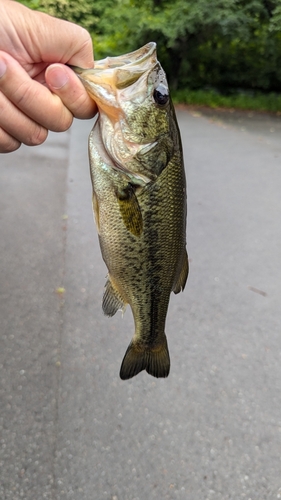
[{"x": 139, "y": 200}]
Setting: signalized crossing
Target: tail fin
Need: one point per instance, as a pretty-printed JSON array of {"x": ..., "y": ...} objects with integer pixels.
[{"x": 138, "y": 357}]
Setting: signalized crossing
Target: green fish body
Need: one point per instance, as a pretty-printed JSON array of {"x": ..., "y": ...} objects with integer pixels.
[{"x": 139, "y": 199}]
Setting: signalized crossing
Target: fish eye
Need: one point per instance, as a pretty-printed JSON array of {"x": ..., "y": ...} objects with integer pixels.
[{"x": 161, "y": 95}]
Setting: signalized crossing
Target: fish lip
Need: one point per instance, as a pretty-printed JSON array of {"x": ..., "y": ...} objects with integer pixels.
[
  {"x": 116, "y": 73},
  {"x": 136, "y": 57}
]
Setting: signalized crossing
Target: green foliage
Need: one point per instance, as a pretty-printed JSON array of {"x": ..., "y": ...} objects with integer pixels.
[
  {"x": 32, "y": 4},
  {"x": 220, "y": 44},
  {"x": 86, "y": 13},
  {"x": 249, "y": 101}
]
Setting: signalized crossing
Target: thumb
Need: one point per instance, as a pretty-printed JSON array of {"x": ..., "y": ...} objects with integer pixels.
[{"x": 62, "y": 81}]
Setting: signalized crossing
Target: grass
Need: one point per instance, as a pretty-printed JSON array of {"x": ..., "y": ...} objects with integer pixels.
[{"x": 257, "y": 101}]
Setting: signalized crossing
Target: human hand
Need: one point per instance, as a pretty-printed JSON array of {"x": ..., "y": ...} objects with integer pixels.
[{"x": 37, "y": 91}]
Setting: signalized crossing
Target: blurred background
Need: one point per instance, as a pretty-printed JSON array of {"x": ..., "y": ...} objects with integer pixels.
[{"x": 219, "y": 52}]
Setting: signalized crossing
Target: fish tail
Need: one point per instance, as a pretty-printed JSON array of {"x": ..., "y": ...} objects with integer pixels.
[{"x": 138, "y": 357}]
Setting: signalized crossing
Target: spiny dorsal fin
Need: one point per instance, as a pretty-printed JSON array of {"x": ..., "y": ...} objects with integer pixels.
[
  {"x": 182, "y": 277},
  {"x": 130, "y": 210},
  {"x": 112, "y": 300}
]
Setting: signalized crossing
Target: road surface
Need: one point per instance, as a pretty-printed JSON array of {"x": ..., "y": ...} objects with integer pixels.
[{"x": 69, "y": 427}]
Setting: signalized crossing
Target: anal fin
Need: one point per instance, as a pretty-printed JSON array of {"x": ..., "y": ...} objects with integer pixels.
[
  {"x": 112, "y": 300},
  {"x": 183, "y": 274}
]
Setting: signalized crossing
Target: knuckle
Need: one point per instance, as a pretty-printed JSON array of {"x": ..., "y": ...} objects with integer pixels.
[
  {"x": 85, "y": 35},
  {"x": 82, "y": 107},
  {"x": 37, "y": 137},
  {"x": 8, "y": 144},
  {"x": 22, "y": 94},
  {"x": 64, "y": 119},
  {"x": 68, "y": 122}
]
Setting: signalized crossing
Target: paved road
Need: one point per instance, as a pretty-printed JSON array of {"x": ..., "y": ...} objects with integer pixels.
[{"x": 69, "y": 428}]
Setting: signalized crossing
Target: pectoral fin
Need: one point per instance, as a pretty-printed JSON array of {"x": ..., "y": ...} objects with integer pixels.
[
  {"x": 130, "y": 210},
  {"x": 112, "y": 300},
  {"x": 182, "y": 276},
  {"x": 96, "y": 211}
]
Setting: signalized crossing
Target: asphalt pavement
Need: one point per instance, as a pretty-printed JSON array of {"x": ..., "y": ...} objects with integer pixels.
[{"x": 69, "y": 427}]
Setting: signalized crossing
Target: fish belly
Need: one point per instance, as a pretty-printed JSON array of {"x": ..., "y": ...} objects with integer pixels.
[{"x": 144, "y": 266}]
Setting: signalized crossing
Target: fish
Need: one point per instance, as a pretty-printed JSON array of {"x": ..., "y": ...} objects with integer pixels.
[{"x": 139, "y": 199}]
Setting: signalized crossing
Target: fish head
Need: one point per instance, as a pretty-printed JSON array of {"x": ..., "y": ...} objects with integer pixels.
[{"x": 136, "y": 116}]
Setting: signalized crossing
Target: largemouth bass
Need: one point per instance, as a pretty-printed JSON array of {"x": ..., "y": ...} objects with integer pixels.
[{"x": 139, "y": 199}]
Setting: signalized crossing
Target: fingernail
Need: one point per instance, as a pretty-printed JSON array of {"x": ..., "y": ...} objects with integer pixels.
[
  {"x": 57, "y": 77},
  {"x": 3, "y": 68}
]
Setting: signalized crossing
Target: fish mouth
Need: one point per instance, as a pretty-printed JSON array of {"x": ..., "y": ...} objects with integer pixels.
[
  {"x": 113, "y": 82},
  {"x": 116, "y": 73},
  {"x": 137, "y": 57}
]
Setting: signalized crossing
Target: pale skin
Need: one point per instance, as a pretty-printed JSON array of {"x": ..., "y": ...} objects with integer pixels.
[{"x": 38, "y": 92}]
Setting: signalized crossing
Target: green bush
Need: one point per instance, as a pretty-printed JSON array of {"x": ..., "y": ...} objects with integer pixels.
[
  {"x": 223, "y": 44},
  {"x": 256, "y": 101}
]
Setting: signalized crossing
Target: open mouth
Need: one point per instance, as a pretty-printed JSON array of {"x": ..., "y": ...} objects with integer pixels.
[
  {"x": 117, "y": 72},
  {"x": 135, "y": 58},
  {"x": 138, "y": 57}
]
